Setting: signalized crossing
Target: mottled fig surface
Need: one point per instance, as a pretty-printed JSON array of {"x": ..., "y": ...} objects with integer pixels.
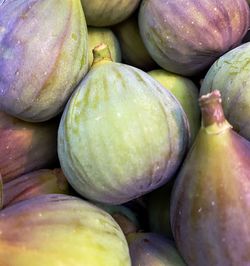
[
  {"x": 44, "y": 181},
  {"x": 26, "y": 146},
  {"x": 187, "y": 36},
  {"x": 43, "y": 55},
  {"x": 122, "y": 134}
]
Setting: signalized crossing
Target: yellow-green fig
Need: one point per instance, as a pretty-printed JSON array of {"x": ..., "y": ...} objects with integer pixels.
[
  {"x": 210, "y": 207},
  {"x": 122, "y": 134},
  {"x": 26, "y": 146},
  {"x": 102, "y": 13},
  {"x": 96, "y": 36},
  {"x": 60, "y": 230},
  {"x": 186, "y": 93},
  {"x": 44, "y": 181},
  {"x": 43, "y": 56}
]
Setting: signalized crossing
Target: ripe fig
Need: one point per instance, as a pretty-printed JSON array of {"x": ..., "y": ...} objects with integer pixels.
[
  {"x": 99, "y": 35},
  {"x": 1, "y": 192},
  {"x": 102, "y": 13},
  {"x": 230, "y": 75},
  {"x": 187, "y": 36},
  {"x": 210, "y": 207},
  {"x": 60, "y": 230},
  {"x": 122, "y": 134},
  {"x": 186, "y": 93},
  {"x": 43, "y": 55},
  {"x": 133, "y": 50},
  {"x": 26, "y": 146},
  {"x": 44, "y": 181},
  {"x": 149, "y": 249}
]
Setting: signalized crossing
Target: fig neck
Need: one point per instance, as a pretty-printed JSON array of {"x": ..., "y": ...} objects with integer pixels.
[
  {"x": 101, "y": 54},
  {"x": 213, "y": 119}
]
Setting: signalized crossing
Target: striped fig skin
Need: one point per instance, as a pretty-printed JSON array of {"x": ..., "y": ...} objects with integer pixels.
[
  {"x": 43, "y": 181},
  {"x": 101, "y": 13},
  {"x": 60, "y": 230},
  {"x": 186, "y": 36},
  {"x": 230, "y": 75},
  {"x": 210, "y": 206},
  {"x": 149, "y": 249},
  {"x": 43, "y": 55},
  {"x": 121, "y": 135},
  {"x": 26, "y": 146}
]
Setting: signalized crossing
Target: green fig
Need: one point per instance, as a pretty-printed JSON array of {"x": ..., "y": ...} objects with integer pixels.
[
  {"x": 230, "y": 75},
  {"x": 43, "y": 56},
  {"x": 60, "y": 230},
  {"x": 122, "y": 134},
  {"x": 102, "y": 13},
  {"x": 186, "y": 93},
  {"x": 210, "y": 207},
  {"x": 133, "y": 50},
  {"x": 149, "y": 249},
  {"x": 44, "y": 181},
  {"x": 99, "y": 35},
  {"x": 25, "y": 146}
]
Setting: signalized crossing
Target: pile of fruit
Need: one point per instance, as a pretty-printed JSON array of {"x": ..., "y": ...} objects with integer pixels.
[{"x": 124, "y": 133}]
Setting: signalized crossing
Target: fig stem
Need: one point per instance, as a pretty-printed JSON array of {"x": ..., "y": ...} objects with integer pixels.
[
  {"x": 101, "y": 52},
  {"x": 212, "y": 111}
]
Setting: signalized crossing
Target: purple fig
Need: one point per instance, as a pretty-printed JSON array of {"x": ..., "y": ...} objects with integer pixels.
[
  {"x": 44, "y": 181},
  {"x": 187, "y": 36},
  {"x": 43, "y": 55},
  {"x": 210, "y": 205},
  {"x": 149, "y": 249},
  {"x": 25, "y": 146}
]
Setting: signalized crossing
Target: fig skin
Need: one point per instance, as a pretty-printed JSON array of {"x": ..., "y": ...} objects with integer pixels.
[
  {"x": 122, "y": 134},
  {"x": 44, "y": 181},
  {"x": 43, "y": 56},
  {"x": 60, "y": 230},
  {"x": 134, "y": 52},
  {"x": 97, "y": 36},
  {"x": 187, "y": 36},
  {"x": 26, "y": 146},
  {"x": 150, "y": 249},
  {"x": 230, "y": 75},
  {"x": 186, "y": 93},
  {"x": 103, "y": 13},
  {"x": 210, "y": 199}
]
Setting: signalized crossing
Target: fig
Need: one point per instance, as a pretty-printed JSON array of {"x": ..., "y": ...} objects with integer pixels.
[
  {"x": 26, "y": 146},
  {"x": 57, "y": 229},
  {"x": 43, "y": 55},
  {"x": 1, "y": 192},
  {"x": 97, "y": 36},
  {"x": 44, "y": 181},
  {"x": 133, "y": 50},
  {"x": 230, "y": 75},
  {"x": 121, "y": 134},
  {"x": 210, "y": 208},
  {"x": 187, "y": 36},
  {"x": 102, "y": 13},
  {"x": 186, "y": 93},
  {"x": 149, "y": 249},
  {"x": 158, "y": 207},
  {"x": 126, "y": 218}
]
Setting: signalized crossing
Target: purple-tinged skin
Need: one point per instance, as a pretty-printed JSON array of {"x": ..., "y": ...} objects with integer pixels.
[
  {"x": 150, "y": 249},
  {"x": 26, "y": 146},
  {"x": 210, "y": 205},
  {"x": 186, "y": 36},
  {"x": 43, "y": 55},
  {"x": 44, "y": 181}
]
